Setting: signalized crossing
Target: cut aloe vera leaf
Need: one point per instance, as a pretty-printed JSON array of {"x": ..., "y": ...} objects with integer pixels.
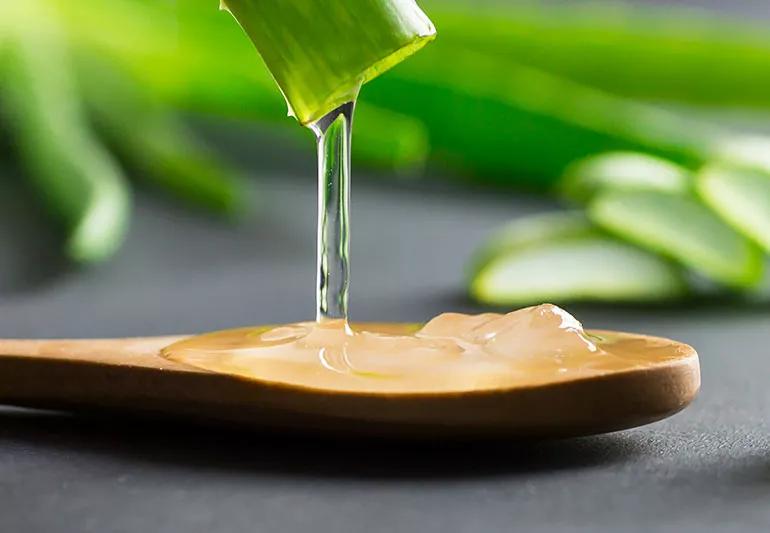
[
  {"x": 627, "y": 171},
  {"x": 741, "y": 196},
  {"x": 680, "y": 227},
  {"x": 563, "y": 258},
  {"x": 529, "y": 231},
  {"x": 541, "y": 123},
  {"x": 181, "y": 70},
  {"x": 321, "y": 52}
]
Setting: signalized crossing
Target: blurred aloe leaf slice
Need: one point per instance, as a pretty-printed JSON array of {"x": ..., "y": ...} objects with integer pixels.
[
  {"x": 628, "y": 171},
  {"x": 561, "y": 257},
  {"x": 741, "y": 196},
  {"x": 680, "y": 227}
]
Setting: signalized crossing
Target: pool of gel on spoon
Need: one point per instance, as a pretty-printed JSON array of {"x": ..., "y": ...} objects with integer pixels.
[{"x": 451, "y": 353}]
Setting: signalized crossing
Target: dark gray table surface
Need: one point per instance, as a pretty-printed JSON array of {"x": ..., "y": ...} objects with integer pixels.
[{"x": 706, "y": 469}]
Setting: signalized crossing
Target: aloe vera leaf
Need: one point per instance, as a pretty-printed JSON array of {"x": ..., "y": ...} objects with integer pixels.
[
  {"x": 654, "y": 53},
  {"x": 320, "y": 52},
  {"x": 627, "y": 171},
  {"x": 74, "y": 176},
  {"x": 563, "y": 258},
  {"x": 680, "y": 227},
  {"x": 617, "y": 47},
  {"x": 155, "y": 142},
  {"x": 741, "y": 196},
  {"x": 383, "y": 138},
  {"x": 168, "y": 155},
  {"x": 520, "y": 124},
  {"x": 507, "y": 124},
  {"x": 182, "y": 71}
]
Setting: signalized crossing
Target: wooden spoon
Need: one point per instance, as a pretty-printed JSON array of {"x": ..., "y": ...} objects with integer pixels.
[{"x": 129, "y": 375}]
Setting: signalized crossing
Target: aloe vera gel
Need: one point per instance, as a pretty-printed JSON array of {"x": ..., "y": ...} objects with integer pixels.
[
  {"x": 333, "y": 133},
  {"x": 320, "y": 52}
]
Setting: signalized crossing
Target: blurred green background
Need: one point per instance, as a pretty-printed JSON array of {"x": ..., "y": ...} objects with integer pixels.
[{"x": 644, "y": 121}]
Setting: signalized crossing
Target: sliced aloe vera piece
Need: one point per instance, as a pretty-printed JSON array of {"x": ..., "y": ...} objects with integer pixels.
[
  {"x": 680, "y": 227},
  {"x": 741, "y": 196},
  {"x": 622, "y": 171},
  {"x": 743, "y": 151},
  {"x": 530, "y": 231},
  {"x": 561, "y": 257},
  {"x": 320, "y": 51}
]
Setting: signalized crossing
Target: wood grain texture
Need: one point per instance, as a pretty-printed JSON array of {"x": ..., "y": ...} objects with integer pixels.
[{"x": 128, "y": 375}]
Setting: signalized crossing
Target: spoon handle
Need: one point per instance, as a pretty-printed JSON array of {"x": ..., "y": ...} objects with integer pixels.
[{"x": 92, "y": 374}]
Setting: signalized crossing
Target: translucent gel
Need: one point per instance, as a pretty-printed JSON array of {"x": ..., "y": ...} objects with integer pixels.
[{"x": 451, "y": 353}]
